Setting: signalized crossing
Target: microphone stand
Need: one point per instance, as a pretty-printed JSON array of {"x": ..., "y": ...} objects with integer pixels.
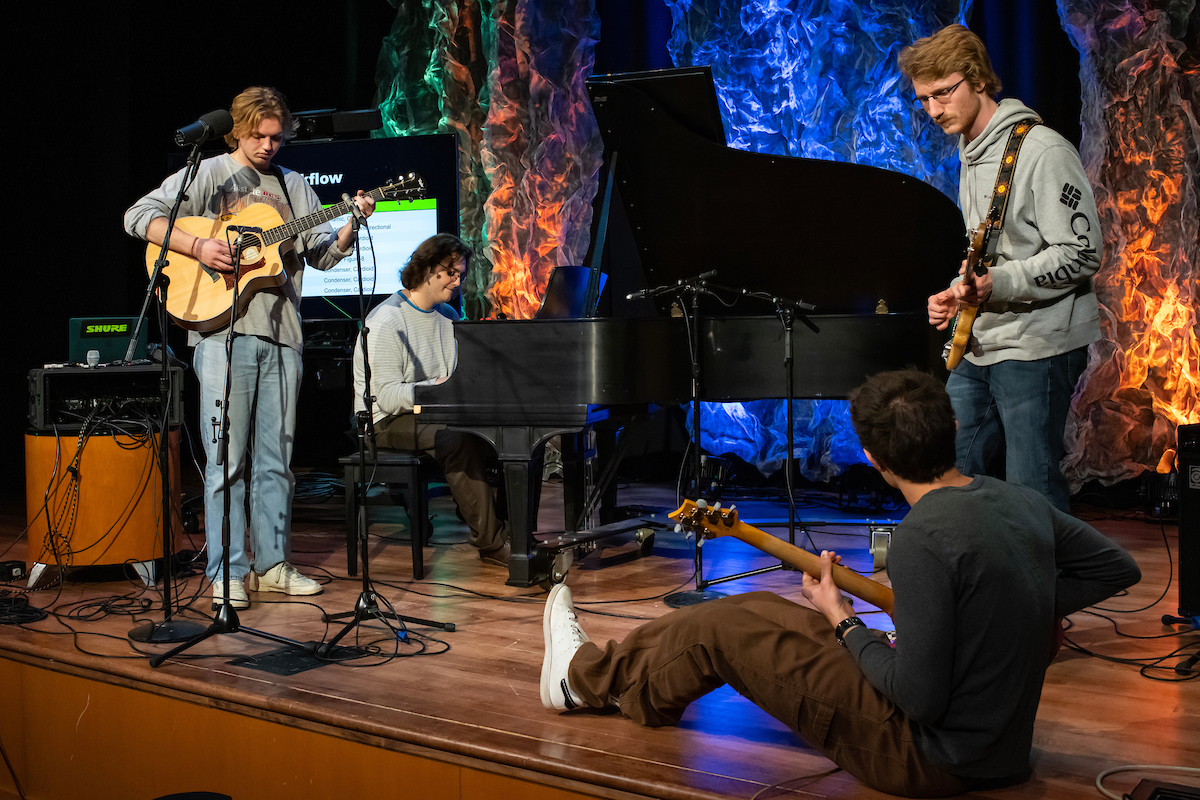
[
  {"x": 367, "y": 606},
  {"x": 226, "y": 619},
  {"x": 693, "y": 288},
  {"x": 170, "y": 629},
  {"x": 787, "y": 311}
]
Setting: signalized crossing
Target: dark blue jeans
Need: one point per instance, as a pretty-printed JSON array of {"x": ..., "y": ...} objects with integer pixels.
[{"x": 1011, "y": 418}]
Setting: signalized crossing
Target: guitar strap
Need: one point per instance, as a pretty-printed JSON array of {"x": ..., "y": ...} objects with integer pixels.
[
  {"x": 278, "y": 173},
  {"x": 1004, "y": 177}
]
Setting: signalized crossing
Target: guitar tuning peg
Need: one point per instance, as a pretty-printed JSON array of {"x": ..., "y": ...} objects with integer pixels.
[
  {"x": 678, "y": 528},
  {"x": 716, "y": 506},
  {"x": 701, "y": 503}
]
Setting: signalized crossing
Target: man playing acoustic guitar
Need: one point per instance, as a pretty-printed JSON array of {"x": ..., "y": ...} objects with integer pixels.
[
  {"x": 981, "y": 571},
  {"x": 267, "y": 365},
  {"x": 1037, "y": 309}
]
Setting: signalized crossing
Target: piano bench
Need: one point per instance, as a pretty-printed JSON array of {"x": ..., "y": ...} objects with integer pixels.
[{"x": 413, "y": 470}]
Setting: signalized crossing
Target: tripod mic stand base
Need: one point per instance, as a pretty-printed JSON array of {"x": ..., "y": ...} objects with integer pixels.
[
  {"x": 169, "y": 630},
  {"x": 691, "y": 598}
]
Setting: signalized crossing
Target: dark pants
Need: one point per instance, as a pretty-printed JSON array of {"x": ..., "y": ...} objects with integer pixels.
[
  {"x": 462, "y": 458},
  {"x": 1017, "y": 410},
  {"x": 782, "y": 657}
]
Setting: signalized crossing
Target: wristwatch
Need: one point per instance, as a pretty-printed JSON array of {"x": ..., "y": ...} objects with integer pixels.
[{"x": 840, "y": 631}]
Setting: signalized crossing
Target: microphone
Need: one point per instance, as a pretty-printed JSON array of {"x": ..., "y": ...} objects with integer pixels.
[
  {"x": 214, "y": 123},
  {"x": 643, "y": 293},
  {"x": 354, "y": 209}
]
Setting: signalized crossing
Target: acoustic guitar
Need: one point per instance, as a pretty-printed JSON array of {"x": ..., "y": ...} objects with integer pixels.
[
  {"x": 702, "y": 519},
  {"x": 201, "y": 299},
  {"x": 980, "y": 254}
]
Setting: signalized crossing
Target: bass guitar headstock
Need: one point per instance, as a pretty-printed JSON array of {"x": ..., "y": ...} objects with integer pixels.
[
  {"x": 701, "y": 519},
  {"x": 406, "y": 187}
]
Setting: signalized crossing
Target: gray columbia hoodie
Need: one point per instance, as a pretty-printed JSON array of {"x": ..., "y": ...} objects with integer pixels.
[{"x": 1042, "y": 301}]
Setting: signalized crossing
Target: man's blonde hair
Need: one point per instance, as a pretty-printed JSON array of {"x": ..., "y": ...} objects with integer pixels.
[
  {"x": 952, "y": 49},
  {"x": 254, "y": 105}
]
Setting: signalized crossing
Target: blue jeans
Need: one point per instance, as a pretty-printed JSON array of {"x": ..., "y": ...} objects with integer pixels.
[
  {"x": 1011, "y": 419},
  {"x": 262, "y": 421}
]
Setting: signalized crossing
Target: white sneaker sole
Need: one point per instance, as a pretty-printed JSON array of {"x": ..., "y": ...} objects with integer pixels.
[
  {"x": 255, "y": 584},
  {"x": 548, "y": 657}
]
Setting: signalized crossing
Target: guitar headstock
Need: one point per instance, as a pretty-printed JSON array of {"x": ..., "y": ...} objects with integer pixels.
[
  {"x": 699, "y": 517},
  {"x": 406, "y": 187}
]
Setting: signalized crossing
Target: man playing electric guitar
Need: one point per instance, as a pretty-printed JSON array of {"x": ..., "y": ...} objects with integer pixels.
[
  {"x": 266, "y": 358},
  {"x": 980, "y": 572},
  {"x": 1037, "y": 309}
]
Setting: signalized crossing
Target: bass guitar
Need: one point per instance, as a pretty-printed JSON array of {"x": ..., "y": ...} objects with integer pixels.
[
  {"x": 201, "y": 298},
  {"x": 980, "y": 253},
  {"x": 710, "y": 522}
]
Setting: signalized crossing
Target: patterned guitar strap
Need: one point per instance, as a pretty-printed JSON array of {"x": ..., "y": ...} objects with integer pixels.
[{"x": 1004, "y": 177}]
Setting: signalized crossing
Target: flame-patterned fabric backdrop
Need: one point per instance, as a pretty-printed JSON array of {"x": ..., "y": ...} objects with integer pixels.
[
  {"x": 817, "y": 78},
  {"x": 1141, "y": 150},
  {"x": 508, "y": 77}
]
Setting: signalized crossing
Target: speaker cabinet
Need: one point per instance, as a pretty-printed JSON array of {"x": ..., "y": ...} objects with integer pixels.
[
  {"x": 102, "y": 508},
  {"x": 1189, "y": 519}
]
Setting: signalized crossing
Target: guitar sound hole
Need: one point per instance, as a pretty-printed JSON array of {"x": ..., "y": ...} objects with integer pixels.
[{"x": 251, "y": 248}]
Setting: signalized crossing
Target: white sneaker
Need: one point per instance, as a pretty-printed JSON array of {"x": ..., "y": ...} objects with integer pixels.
[
  {"x": 562, "y": 637},
  {"x": 283, "y": 577},
  {"x": 237, "y": 594}
]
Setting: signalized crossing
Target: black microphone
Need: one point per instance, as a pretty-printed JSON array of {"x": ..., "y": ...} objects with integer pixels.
[
  {"x": 214, "y": 123},
  {"x": 354, "y": 209},
  {"x": 639, "y": 294}
]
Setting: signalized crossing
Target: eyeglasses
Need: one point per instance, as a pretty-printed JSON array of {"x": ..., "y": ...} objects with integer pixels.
[
  {"x": 452, "y": 271},
  {"x": 941, "y": 95}
]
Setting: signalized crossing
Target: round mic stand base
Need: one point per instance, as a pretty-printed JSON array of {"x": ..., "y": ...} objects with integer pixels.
[
  {"x": 692, "y": 597},
  {"x": 167, "y": 631}
]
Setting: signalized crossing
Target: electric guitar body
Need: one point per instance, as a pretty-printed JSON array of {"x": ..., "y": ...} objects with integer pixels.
[{"x": 979, "y": 258}]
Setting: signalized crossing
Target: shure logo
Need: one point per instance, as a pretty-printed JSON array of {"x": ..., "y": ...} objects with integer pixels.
[
  {"x": 121, "y": 328},
  {"x": 315, "y": 178}
]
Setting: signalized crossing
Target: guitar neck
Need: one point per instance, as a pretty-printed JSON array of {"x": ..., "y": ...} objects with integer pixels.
[
  {"x": 846, "y": 579},
  {"x": 301, "y": 224}
]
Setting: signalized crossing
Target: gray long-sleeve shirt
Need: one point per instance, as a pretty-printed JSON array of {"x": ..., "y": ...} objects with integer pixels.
[{"x": 980, "y": 574}]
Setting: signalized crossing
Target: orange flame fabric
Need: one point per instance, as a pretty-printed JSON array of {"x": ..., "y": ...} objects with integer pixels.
[{"x": 1141, "y": 149}]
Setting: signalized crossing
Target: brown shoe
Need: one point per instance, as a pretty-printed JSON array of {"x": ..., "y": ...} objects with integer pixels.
[{"x": 497, "y": 556}]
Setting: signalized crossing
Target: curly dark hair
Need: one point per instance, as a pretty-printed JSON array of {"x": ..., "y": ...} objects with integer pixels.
[
  {"x": 905, "y": 420},
  {"x": 429, "y": 254}
]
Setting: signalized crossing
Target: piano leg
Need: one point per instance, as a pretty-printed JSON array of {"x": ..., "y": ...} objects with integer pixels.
[
  {"x": 521, "y": 483},
  {"x": 515, "y": 448},
  {"x": 574, "y": 453}
]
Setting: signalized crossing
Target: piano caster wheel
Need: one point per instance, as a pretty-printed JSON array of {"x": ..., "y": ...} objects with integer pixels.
[
  {"x": 645, "y": 539},
  {"x": 558, "y": 569}
]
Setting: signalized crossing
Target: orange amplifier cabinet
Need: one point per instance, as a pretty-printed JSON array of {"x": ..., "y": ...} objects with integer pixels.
[{"x": 106, "y": 508}]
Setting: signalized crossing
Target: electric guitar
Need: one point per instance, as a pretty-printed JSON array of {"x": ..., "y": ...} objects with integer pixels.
[
  {"x": 980, "y": 254},
  {"x": 201, "y": 299},
  {"x": 714, "y": 521}
]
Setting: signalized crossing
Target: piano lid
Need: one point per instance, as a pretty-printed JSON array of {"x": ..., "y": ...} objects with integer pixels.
[{"x": 841, "y": 236}]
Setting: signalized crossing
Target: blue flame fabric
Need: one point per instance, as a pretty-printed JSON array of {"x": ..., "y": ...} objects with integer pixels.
[{"x": 818, "y": 79}]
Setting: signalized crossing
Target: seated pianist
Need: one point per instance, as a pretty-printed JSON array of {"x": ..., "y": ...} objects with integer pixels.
[{"x": 411, "y": 343}]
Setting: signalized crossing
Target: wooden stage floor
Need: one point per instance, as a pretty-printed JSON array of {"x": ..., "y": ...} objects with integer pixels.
[{"x": 456, "y": 714}]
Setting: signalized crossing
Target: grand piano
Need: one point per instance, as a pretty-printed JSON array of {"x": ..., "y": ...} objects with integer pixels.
[{"x": 865, "y": 246}]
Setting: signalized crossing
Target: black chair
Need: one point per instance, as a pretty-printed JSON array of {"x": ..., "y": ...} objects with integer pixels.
[{"x": 411, "y": 469}]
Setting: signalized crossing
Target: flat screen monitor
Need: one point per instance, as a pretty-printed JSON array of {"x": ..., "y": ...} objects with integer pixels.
[{"x": 396, "y": 228}]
